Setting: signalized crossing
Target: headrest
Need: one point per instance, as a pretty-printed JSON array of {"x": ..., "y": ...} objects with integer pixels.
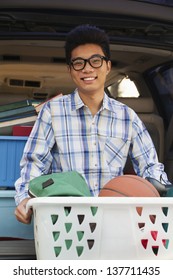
[{"x": 139, "y": 105}]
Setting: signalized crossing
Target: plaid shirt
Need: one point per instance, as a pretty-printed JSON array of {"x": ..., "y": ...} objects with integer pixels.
[{"x": 67, "y": 137}]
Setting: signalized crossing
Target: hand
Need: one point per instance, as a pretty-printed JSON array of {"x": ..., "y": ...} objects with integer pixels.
[{"x": 21, "y": 214}]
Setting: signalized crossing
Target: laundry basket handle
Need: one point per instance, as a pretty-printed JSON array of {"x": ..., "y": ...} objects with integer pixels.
[{"x": 29, "y": 205}]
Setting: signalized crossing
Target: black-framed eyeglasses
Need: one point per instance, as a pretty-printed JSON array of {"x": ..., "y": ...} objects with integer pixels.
[{"x": 95, "y": 61}]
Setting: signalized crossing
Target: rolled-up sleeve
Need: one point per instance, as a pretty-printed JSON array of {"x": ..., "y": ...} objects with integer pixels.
[{"x": 37, "y": 158}]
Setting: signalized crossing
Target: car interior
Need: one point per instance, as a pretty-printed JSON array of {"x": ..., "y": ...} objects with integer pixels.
[
  {"x": 33, "y": 67},
  {"x": 37, "y": 70}
]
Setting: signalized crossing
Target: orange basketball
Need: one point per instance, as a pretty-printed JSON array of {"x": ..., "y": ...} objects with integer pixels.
[{"x": 129, "y": 186}]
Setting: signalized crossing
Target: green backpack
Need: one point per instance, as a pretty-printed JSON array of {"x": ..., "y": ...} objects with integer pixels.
[{"x": 69, "y": 183}]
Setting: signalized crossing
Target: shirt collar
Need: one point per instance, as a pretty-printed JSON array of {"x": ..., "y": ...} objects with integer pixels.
[
  {"x": 77, "y": 102},
  {"x": 107, "y": 104}
]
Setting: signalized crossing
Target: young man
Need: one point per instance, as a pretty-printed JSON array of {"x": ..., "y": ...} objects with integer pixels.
[{"x": 86, "y": 131}]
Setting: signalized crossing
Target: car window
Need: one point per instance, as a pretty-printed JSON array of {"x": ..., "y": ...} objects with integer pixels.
[{"x": 124, "y": 88}]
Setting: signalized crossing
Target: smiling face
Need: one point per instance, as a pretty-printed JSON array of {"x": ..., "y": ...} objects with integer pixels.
[{"x": 89, "y": 81}]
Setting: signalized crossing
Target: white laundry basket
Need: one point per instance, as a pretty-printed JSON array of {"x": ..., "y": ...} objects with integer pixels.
[{"x": 103, "y": 228}]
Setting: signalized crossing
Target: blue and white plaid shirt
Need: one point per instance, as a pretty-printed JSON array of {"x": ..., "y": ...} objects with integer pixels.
[{"x": 67, "y": 137}]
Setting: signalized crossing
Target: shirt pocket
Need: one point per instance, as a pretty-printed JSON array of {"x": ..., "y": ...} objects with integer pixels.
[{"x": 116, "y": 152}]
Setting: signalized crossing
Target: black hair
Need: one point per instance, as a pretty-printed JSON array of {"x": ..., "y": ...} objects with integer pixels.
[{"x": 86, "y": 34}]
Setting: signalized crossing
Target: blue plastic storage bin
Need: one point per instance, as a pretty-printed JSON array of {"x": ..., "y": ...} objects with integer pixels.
[
  {"x": 11, "y": 150},
  {"x": 9, "y": 226}
]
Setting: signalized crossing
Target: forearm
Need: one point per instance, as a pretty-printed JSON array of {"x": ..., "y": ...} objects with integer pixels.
[
  {"x": 145, "y": 157},
  {"x": 37, "y": 158}
]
